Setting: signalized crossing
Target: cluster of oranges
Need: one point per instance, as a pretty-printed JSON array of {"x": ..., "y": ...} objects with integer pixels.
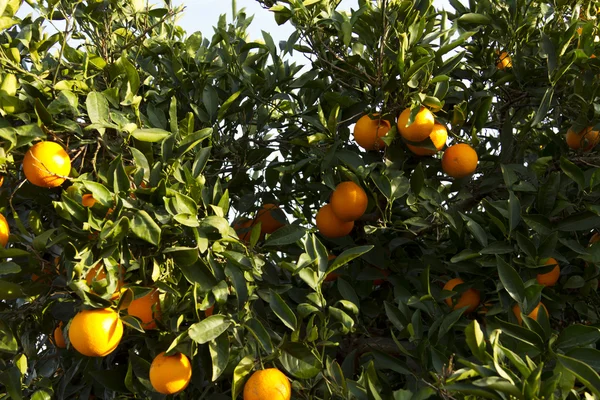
[
  {"x": 423, "y": 136},
  {"x": 347, "y": 204},
  {"x": 584, "y": 140}
]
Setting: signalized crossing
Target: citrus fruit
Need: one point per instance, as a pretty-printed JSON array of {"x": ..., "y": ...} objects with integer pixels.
[
  {"x": 331, "y": 226},
  {"x": 438, "y": 136},
  {"x": 59, "y": 338},
  {"x": 367, "y": 132},
  {"x": 4, "y": 231},
  {"x": 459, "y": 160},
  {"x": 549, "y": 278},
  {"x": 267, "y": 220},
  {"x": 88, "y": 200},
  {"x": 146, "y": 308},
  {"x": 98, "y": 273},
  {"x": 534, "y": 314},
  {"x": 585, "y": 140},
  {"x": 1, "y": 180},
  {"x": 243, "y": 227},
  {"x": 209, "y": 311},
  {"x": 170, "y": 374},
  {"x": 595, "y": 238},
  {"x": 348, "y": 201},
  {"x": 96, "y": 333},
  {"x": 268, "y": 383},
  {"x": 504, "y": 61},
  {"x": 469, "y": 298},
  {"x": 421, "y": 127},
  {"x": 46, "y": 164}
]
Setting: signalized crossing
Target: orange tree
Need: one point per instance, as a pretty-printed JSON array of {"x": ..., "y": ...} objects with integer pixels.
[{"x": 161, "y": 190}]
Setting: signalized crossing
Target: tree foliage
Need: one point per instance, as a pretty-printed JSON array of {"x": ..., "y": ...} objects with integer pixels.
[{"x": 177, "y": 136}]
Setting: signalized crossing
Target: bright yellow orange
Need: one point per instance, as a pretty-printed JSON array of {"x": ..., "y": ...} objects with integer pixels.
[
  {"x": 99, "y": 272},
  {"x": 504, "y": 61},
  {"x": 269, "y": 384},
  {"x": 4, "y": 231},
  {"x": 331, "y": 226},
  {"x": 146, "y": 308},
  {"x": 459, "y": 160},
  {"x": 367, "y": 132},
  {"x": 549, "y": 278},
  {"x": 268, "y": 222},
  {"x": 439, "y": 135},
  {"x": 421, "y": 127},
  {"x": 96, "y": 333},
  {"x": 88, "y": 200},
  {"x": 469, "y": 297},
  {"x": 46, "y": 164},
  {"x": 59, "y": 338},
  {"x": 349, "y": 201},
  {"x": 534, "y": 314},
  {"x": 585, "y": 140},
  {"x": 170, "y": 374}
]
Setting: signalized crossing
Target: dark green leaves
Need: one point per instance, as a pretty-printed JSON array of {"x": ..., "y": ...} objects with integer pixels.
[
  {"x": 283, "y": 311},
  {"x": 144, "y": 227},
  {"x": 209, "y": 329},
  {"x": 511, "y": 280}
]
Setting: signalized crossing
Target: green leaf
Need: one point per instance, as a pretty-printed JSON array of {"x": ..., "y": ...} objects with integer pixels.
[
  {"x": 511, "y": 280},
  {"x": 514, "y": 211},
  {"x": 285, "y": 235},
  {"x": 469, "y": 388},
  {"x": 476, "y": 340},
  {"x": 239, "y": 375},
  {"x": 417, "y": 179},
  {"x": 474, "y": 18},
  {"x": 542, "y": 111},
  {"x": 228, "y": 104},
  {"x": 584, "y": 221},
  {"x": 299, "y": 361},
  {"x": 209, "y": 329},
  {"x": 11, "y": 378},
  {"x": 260, "y": 333},
  {"x": 10, "y": 291},
  {"x": 582, "y": 371},
  {"x": 283, "y": 311},
  {"x": 586, "y": 355},
  {"x": 97, "y": 107},
  {"x": 347, "y": 256},
  {"x": 476, "y": 229},
  {"x": 573, "y": 172},
  {"x": 219, "y": 353},
  {"x": 100, "y": 192},
  {"x": 577, "y": 336},
  {"x": 150, "y": 135},
  {"x": 144, "y": 227},
  {"x": 8, "y": 342}
]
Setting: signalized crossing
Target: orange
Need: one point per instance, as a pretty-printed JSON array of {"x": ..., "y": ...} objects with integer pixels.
[
  {"x": 438, "y": 136},
  {"x": 1, "y": 180},
  {"x": 243, "y": 227},
  {"x": 268, "y": 383},
  {"x": 59, "y": 338},
  {"x": 534, "y": 314},
  {"x": 46, "y": 164},
  {"x": 587, "y": 139},
  {"x": 4, "y": 231},
  {"x": 367, "y": 132},
  {"x": 469, "y": 297},
  {"x": 331, "y": 226},
  {"x": 349, "y": 201},
  {"x": 88, "y": 200},
  {"x": 99, "y": 272},
  {"x": 331, "y": 277},
  {"x": 421, "y": 127},
  {"x": 549, "y": 278},
  {"x": 595, "y": 238},
  {"x": 146, "y": 308},
  {"x": 96, "y": 333},
  {"x": 170, "y": 374},
  {"x": 459, "y": 160},
  {"x": 380, "y": 281},
  {"x": 268, "y": 222},
  {"x": 504, "y": 61},
  {"x": 209, "y": 311}
]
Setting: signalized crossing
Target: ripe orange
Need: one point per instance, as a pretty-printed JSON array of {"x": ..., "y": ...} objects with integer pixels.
[
  {"x": 59, "y": 338},
  {"x": 1, "y": 180},
  {"x": 504, "y": 61},
  {"x": 367, "y": 132},
  {"x": 549, "y": 278},
  {"x": 349, "y": 201},
  {"x": 268, "y": 383},
  {"x": 146, "y": 308},
  {"x": 469, "y": 297},
  {"x": 209, "y": 311},
  {"x": 170, "y": 374},
  {"x": 534, "y": 314},
  {"x": 243, "y": 227},
  {"x": 331, "y": 226},
  {"x": 88, "y": 200},
  {"x": 46, "y": 164},
  {"x": 421, "y": 127},
  {"x": 96, "y": 333},
  {"x": 459, "y": 160},
  {"x": 99, "y": 272},
  {"x": 4, "y": 231},
  {"x": 268, "y": 222},
  {"x": 595, "y": 238},
  {"x": 438, "y": 136},
  {"x": 587, "y": 139}
]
